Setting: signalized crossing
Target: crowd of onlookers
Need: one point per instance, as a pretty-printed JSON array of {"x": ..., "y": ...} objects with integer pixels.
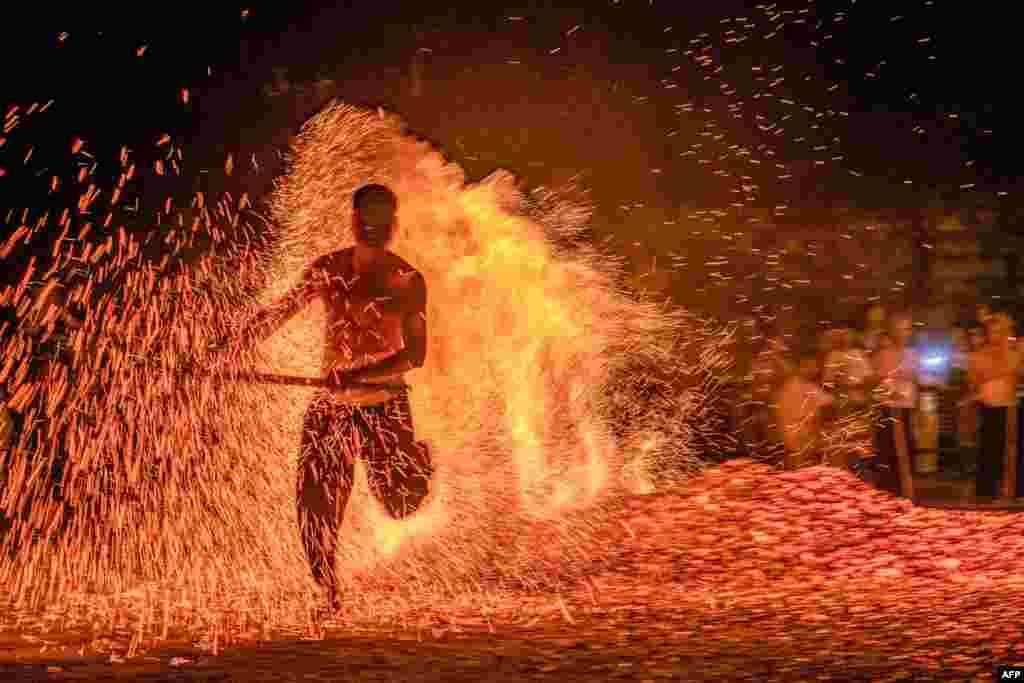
[
  {"x": 857, "y": 396},
  {"x": 871, "y": 398}
]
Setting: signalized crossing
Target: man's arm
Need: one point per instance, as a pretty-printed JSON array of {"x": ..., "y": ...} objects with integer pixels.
[
  {"x": 974, "y": 379},
  {"x": 414, "y": 332},
  {"x": 972, "y": 370},
  {"x": 882, "y": 365},
  {"x": 273, "y": 317}
]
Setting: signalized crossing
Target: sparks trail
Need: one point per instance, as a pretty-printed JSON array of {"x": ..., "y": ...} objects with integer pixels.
[{"x": 533, "y": 394}]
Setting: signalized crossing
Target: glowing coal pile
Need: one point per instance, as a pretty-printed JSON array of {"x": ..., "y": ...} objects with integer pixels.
[
  {"x": 544, "y": 388},
  {"x": 790, "y": 574},
  {"x": 743, "y": 523}
]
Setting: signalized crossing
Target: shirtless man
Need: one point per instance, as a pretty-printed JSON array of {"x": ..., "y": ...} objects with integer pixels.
[
  {"x": 798, "y": 408},
  {"x": 375, "y": 333},
  {"x": 847, "y": 369},
  {"x": 992, "y": 373},
  {"x": 769, "y": 369},
  {"x": 896, "y": 367}
]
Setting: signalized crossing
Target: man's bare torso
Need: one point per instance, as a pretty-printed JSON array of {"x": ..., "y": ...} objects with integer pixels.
[
  {"x": 365, "y": 309},
  {"x": 898, "y": 367},
  {"x": 995, "y": 372}
]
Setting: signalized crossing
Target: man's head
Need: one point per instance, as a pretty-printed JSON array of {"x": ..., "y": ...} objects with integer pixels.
[{"x": 373, "y": 216}]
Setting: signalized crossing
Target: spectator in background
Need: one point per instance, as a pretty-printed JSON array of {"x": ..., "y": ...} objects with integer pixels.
[
  {"x": 769, "y": 368},
  {"x": 798, "y": 410},
  {"x": 847, "y": 370},
  {"x": 771, "y": 364},
  {"x": 856, "y": 399},
  {"x": 992, "y": 374},
  {"x": 884, "y": 343},
  {"x": 874, "y": 330},
  {"x": 976, "y": 339},
  {"x": 983, "y": 312},
  {"x": 826, "y": 342},
  {"x": 959, "y": 349},
  {"x": 959, "y": 389},
  {"x": 897, "y": 367}
]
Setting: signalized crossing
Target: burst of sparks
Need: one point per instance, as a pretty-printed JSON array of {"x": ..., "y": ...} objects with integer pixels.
[
  {"x": 182, "y": 485},
  {"x": 544, "y": 386}
]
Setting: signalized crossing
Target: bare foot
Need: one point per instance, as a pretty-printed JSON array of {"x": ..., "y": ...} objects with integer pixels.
[{"x": 333, "y": 601}]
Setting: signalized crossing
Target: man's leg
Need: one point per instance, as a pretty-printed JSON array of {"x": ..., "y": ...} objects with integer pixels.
[
  {"x": 885, "y": 445},
  {"x": 906, "y": 452},
  {"x": 398, "y": 467},
  {"x": 1020, "y": 449},
  {"x": 324, "y": 484},
  {"x": 991, "y": 445}
]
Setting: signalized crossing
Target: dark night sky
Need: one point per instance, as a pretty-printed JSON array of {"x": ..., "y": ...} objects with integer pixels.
[
  {"x": 120, "y": 97},
  {"x": 591, "y": 101}
]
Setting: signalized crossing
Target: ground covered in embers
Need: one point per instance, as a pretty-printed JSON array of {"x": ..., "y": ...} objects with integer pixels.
[{"x": 742, "y": 571}]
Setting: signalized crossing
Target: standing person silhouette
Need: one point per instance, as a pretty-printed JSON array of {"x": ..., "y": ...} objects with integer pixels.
[
  {"x": 897, "y": 367},
  {"x": 993, "y": 373},
  {"x": 375, "y": 332}
]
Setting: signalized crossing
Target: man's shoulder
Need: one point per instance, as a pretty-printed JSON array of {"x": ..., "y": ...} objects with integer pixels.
[
  {"x": 332, "y": 261},
  {"x": 399, "y": 264},
  {"x": 407, "y": 275}
]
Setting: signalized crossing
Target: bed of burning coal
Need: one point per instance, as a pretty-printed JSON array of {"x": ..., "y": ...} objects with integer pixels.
[{"x": 742, "y": 573}]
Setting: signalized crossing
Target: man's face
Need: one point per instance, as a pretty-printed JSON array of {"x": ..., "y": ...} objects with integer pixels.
[{"x": 357, "y": 223}]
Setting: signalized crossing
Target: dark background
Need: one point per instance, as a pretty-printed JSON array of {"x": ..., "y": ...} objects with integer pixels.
[{"x": 941, "y": 112}]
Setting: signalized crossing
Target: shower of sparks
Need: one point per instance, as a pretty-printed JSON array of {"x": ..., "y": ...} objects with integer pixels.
[
  {"x": 754, "y": 108},
  {"x": 546, "y": 389}
]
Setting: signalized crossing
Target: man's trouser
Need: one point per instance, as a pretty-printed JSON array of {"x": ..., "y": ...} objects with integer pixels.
[
  {"x": 887, "y": 461},
  {"x": 398, "y": 470},
  {"x": 994, "y": 438}
]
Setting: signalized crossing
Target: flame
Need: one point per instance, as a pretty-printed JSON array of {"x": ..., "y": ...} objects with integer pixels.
[{"x": 539, "y": 384}]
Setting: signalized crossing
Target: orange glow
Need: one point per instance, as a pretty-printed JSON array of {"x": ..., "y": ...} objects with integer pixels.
[{"x": 186, "y": 483}]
